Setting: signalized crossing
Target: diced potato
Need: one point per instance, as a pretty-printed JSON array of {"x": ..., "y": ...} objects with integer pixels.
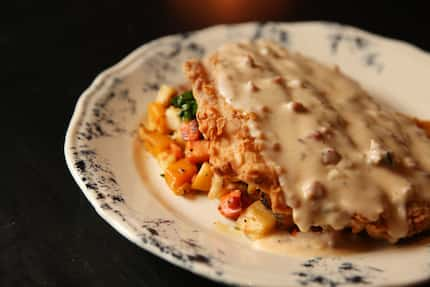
[
  {"x": 172, "y": 118},
  {"x": 256, "y": 221},
  {"x": 203, "y": 179},
  {"x": 154, "y": 142},
  {"x": 165, "y": 159},
  {"x": 179, "y": 173},
  {"x": 165, "y": 94},
  {"x": 156, "y": 118},
  {"x": 216, "y": 190}
]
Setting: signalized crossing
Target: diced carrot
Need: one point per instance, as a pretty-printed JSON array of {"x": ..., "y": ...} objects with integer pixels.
[
  {"x": 190, "y": 131},
  {"x": 197, "y": 151},
  {"x": 176, "y": 150},
  {"x": 231, "y": 204},
  {"x": 156, "y": 120},
  {"x": 179, "y": 173}
]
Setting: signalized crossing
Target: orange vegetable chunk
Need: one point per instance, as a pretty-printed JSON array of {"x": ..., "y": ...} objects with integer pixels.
[
  {"x": 154, "y": 142},
  {"x": 231, "y": 204},
  {"x": 157, "y": 117},
  {"x": 176, "y": 150},
  {"x": 179, "y": 173}
]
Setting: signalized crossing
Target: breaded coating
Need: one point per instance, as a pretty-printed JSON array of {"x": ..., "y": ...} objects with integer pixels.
[
  {"x": 236, "y": 155},
  {"x": 233, "y": 152}
]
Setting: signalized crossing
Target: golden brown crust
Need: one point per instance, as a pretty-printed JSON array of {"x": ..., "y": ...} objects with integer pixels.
[
  {"x": 418, "y": 215},
  {"x": 234, "y": 154},
  {"x": 232, "y": 149}
]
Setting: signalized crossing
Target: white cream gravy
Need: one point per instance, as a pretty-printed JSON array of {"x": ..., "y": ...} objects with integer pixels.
[{"x": 343, "y": 153}]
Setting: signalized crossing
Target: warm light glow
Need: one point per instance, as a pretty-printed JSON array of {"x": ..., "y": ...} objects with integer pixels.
[{"x": 197, "y": 13}]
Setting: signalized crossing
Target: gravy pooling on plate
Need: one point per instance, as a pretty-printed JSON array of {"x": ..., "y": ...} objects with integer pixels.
[{"x": 337, "y": 153}]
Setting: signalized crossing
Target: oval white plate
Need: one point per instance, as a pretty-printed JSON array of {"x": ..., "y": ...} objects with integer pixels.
[{"x": 99, "y": 154}]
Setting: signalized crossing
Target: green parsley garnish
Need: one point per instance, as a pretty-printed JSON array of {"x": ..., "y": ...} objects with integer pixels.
[{"x": 187, "y": 104}]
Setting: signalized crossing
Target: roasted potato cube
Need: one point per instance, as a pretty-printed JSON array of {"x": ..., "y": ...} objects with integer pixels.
[
  {"x": 203, "y": 179},
  {"x": 216, "y": 190},
  {"x": 165, "y": 94},
  {"x": 172, "y": 118},
  {"x": 256, "y": 221}
]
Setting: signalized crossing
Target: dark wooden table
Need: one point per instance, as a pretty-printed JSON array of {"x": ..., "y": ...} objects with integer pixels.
[{"x": 50, "y": 52}]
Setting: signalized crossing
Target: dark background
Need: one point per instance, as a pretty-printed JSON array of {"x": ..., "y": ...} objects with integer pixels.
[{"x": 50, "y": 52}]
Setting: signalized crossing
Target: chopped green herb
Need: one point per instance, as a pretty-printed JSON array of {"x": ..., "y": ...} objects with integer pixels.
[
  {"x": 162, "y": 174},
  {"x": 187, "y": 104}
]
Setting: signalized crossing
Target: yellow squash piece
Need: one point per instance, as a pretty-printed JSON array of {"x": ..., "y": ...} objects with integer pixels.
[
  {"x": 256, "y": 221},
  {"x": 156, "y": 118},
  {"x": 216, "y": 190},
  {"x": 179, "y": 173},
  {"x": 203, "y": 179}
]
